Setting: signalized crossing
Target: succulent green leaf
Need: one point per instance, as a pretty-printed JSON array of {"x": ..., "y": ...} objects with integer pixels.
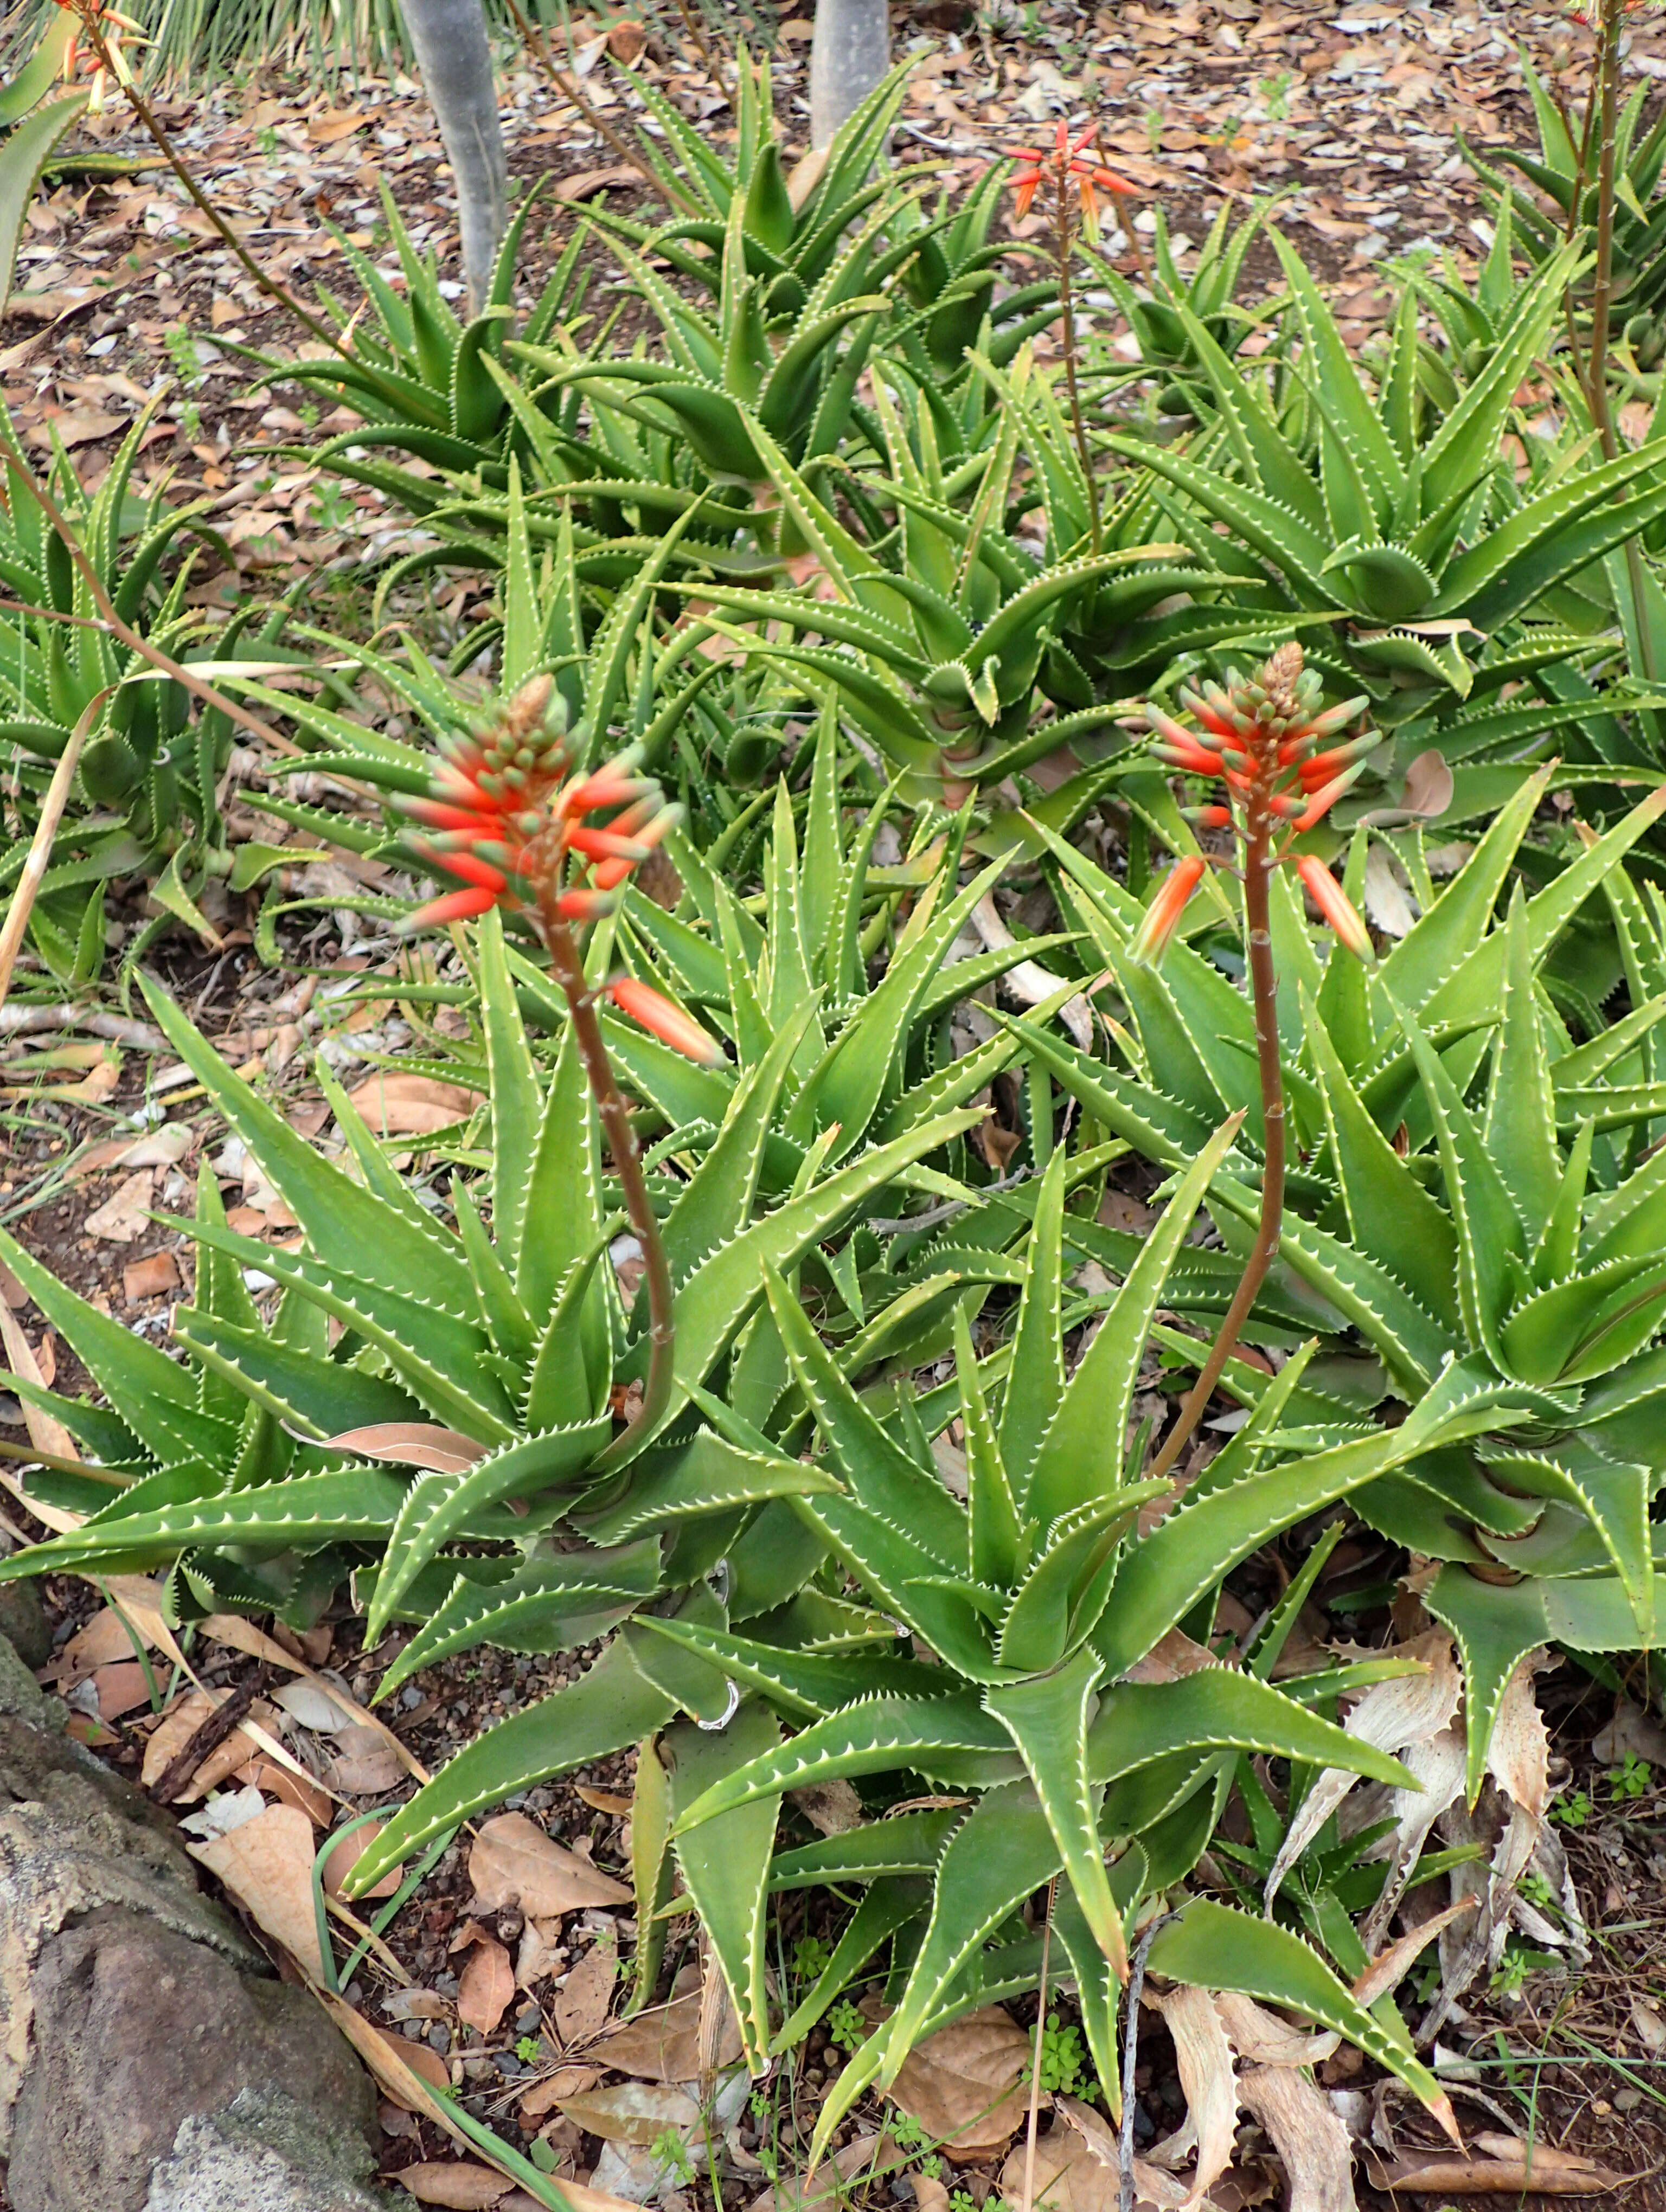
[
  {"x": 806, "y": 1685},
  {"x": 1048, "y": 1718},
  {"x": 932, "y": 1735},
  {"x": 609, "y": 1706},
  {"x": 545, "y": 1604},
  {"x": 1214, "y": 1947},
  {"x": 726, "y": 1860},
  {"x": 684, "y": 1482},
  {"x": 1080, "y": 1454},
  {"x": 439, "y": 1507},
  {"x": 903, "y": 1844}
]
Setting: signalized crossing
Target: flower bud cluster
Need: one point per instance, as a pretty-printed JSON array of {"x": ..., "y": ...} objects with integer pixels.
[
  {"x": 509, "y": 815},
  {"x": 514, "y": 821},
  {"x": 1267, "y": 739}
]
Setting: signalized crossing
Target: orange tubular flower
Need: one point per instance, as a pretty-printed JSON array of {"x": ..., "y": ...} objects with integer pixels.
[
  {"x": 1163, "y": 915},
  {"x": 510, "y": 816},
  {"x": 1266, "y": 740},
  {"x": 96, "y": 21},
  {"x": 1070, "y": 168},
  {"x": 661, "y": 1019},
  {"x": 517, "y": 827},
  {"x": 1334, "y": 902}
]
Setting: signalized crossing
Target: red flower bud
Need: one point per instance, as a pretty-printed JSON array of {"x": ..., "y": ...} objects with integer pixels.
[
  {"x": 1334, "y": 904},
  {"x": 454, "y": 906},
  {"x": 1163, "y": 915},
  {"x": 661, "y": 1019}
]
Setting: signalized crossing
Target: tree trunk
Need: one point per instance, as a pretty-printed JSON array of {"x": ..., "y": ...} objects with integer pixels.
[
  {"x": 456, "y": 62},
  {"x": 849, "y": 54}
]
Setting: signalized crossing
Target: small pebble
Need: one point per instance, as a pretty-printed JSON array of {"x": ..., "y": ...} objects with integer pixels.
[
  {"x": 528, "y": 2019},
  {"x": 410, "y": 1697},
  {"x": 1627, "y": 2099},
  {"x": 439, "y": 2036}
]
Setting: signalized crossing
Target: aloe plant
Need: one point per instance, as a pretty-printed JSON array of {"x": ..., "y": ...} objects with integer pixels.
[
  {"x": 1038, "y": 1597},
  {"x": 953, "y": 288},
  {"x": 426, "y": 382},
  {"x": 1564, "y": 177},
  {"x": 1208, "y": 295},
  {"x": 504, "y": 1343},
  {"x": 184, "y": 1460},
  {"x": 1513, "y": 1232},
  {"x": 938, "y": 652},
  {"x": 601, "y": 430},
  {"x": 795, "y": 227},
  {"x": 143, "y": 799},
  {"x": 1399, "y": 538}
]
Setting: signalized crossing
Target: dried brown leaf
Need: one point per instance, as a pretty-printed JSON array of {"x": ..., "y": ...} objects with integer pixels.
[
  {"x": 1203, "y": 2059},
  {"x": 176, "y": 1728},
  {"x": 637, "y": 2113},
  {"x": 346, "y": 1855},
  {"x": 601, "y": 1800},
  {"x": 565, "y": 2082},
  {"x": 45, "y": 1432},
  {"x": 663, "y": 2043},
  {"x": 1388, "y": 1968},
  {"x": 1390, "y": 1717},
  {"x": 1264, "y": 2039},
  {"x": 1314, "y": 2146},
  {"x": 1630, "y": 1731},
  {"x": 966, "y": 2085},
  {"x": 267, "y": 1865},
  {"x": 412, "y": 1444},
  {"x": 454, "y": 2181},
  {"x": 1068, "y": 2175},
  {"x": 1172, "y": 1656},
  {"x": 1505, "y": 2168},
  {"x": 125, "y": 1217},
  {"x": 487, "y": 1987},
  {"x": 412, "y": 1105},
  {"x": 513, "y": 1862},
  {"x": 290, "y": 1789},
  {"x": 832, "y": 1808},
  {"x": 1438, "y": 1767},
  {"x": 1650, "y": 2025},
  {"x": 586, "y": 1998}
]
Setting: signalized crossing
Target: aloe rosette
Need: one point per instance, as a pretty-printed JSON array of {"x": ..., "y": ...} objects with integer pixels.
[
  {"x": 1475, "y": 1193},
  {"x": 1030, "y": 1697}
]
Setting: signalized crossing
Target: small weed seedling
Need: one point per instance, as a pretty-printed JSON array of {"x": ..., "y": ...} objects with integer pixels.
[{"x": 1633, "y": 1778}]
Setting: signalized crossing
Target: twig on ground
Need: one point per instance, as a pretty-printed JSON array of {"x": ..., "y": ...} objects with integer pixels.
[
  {"x": 213, "y": 1730},
  {"x": 1130, "y": 2051},
  {"x": 118, "y": 1028},
  {"x": 1028, "y": 2197}
]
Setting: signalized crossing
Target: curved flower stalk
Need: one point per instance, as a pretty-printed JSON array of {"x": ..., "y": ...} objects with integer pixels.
[
  {"x": 1073, "y": 177},
  {"x": 1476, "y": 1196},
  {"x": 1265, "y": 738},
  {"x": 521, "y": 829}
]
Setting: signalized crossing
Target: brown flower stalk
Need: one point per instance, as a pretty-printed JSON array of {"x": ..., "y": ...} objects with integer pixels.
[
  {"x": 1072, "y": 178},
  {"x": 1265, "y": 740},
  {"x": 522, "y": 829}
]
